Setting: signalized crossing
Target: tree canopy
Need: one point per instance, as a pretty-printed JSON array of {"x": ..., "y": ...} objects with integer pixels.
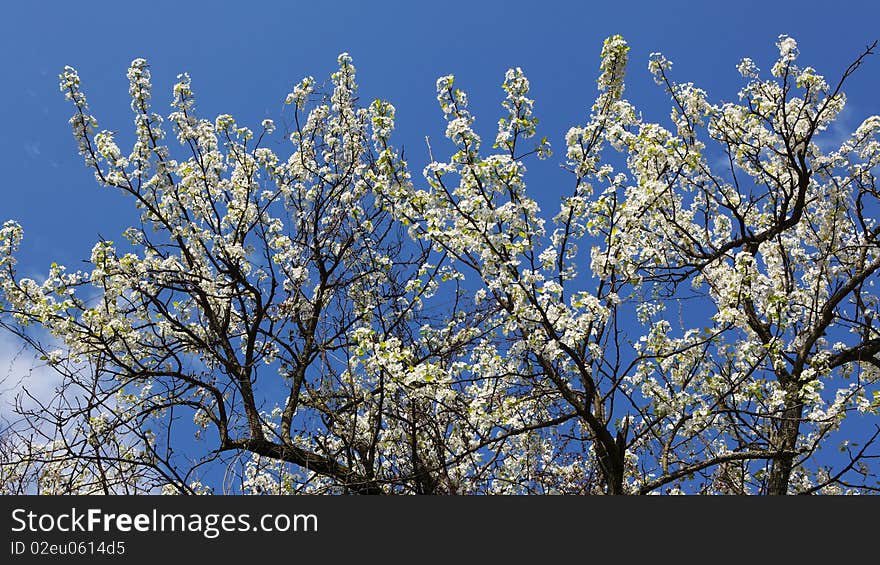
[{"x": 696, "y": 316}]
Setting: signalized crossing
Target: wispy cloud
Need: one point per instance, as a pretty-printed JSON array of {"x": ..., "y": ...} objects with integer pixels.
[
  {"x": 32, "y": 149},
  {"x": 21, "y": 370}
]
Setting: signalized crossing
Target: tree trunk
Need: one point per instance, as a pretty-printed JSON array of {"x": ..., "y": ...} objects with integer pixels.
[{"x": 789, "y": 429}]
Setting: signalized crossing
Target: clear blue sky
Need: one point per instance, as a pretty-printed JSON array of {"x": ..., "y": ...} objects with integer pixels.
[{"x": 243, "y": 58}]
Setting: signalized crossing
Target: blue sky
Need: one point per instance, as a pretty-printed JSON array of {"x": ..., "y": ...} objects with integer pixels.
[{"x": 244, "y": 58}]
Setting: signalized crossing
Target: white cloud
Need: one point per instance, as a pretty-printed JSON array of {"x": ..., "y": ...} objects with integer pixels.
[{"x": 21, "y": 369}]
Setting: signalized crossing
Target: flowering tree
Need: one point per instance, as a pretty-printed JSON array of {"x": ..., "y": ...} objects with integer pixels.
[{"x": 320, "y": 323}]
